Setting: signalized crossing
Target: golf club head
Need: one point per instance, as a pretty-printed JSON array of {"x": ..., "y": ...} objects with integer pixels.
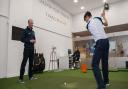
[{"x": 106, "y": 6}]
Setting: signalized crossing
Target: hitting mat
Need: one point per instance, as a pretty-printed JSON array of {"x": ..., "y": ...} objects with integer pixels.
[{"x": 69, "y": 79}]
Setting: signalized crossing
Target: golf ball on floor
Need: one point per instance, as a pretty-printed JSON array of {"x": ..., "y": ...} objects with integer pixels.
[{"x": 65, "y": 83}]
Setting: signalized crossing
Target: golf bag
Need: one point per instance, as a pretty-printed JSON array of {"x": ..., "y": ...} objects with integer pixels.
[{"x": 39, "y": 63}]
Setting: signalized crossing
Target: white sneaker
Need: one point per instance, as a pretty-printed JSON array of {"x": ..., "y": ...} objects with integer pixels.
[
  {"x": 107, "y": 85},
  {"x": 21, "y": 81},
  {"x": 33, "y": 78}
]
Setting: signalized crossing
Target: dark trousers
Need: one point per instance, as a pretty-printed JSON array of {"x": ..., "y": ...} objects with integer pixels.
[
  {"x": 101, "y": 54},
  {"x": 27, "y": 54}
]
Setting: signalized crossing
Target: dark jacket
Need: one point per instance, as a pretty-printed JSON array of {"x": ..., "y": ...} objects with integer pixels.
[
  {"x": 76, "y": 55},
  {"x": 27, "y": 35}
]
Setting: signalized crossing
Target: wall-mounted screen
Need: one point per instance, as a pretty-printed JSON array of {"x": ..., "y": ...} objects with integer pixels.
[{"x": 16, "y": 33}]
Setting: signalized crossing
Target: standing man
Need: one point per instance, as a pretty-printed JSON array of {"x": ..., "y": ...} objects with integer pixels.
[
  {"x": 76, "y": 57},
  {"x": 95, "y": 27},
  {"x": 28, "y": 38}
]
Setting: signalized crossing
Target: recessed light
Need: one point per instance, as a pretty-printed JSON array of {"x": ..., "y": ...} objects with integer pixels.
[
  {"x": 75, "y": 1},
  {"x": 104, "y": 1},
  {"x": 82, "y": 7}
]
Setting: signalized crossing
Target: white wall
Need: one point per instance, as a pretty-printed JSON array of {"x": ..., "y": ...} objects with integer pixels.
[
  {"x": 46, "y": 40},
  {"x": 4, "y": 9},
  {"x": 48, "y": 31},
  {"x": 3, "y": 45},
  {"x": 117, "y": 14},
  {"x": 49, "y": 17}
]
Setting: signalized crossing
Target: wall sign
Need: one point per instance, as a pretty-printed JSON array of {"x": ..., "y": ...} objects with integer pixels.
[{"x": 49, "y": 5}]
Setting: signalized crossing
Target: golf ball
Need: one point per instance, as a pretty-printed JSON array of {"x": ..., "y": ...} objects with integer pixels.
[{"x": 65, "y": 83}]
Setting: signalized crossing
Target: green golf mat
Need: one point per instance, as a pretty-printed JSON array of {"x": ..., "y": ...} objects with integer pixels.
[{"x": 69, "y": 79}]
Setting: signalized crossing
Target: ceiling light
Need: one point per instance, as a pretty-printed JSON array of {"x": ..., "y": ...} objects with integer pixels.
[
  {"x": 75, "y": 1},
  {"x": 104, "y": 1},
  {"x": 82, "y": 7}
]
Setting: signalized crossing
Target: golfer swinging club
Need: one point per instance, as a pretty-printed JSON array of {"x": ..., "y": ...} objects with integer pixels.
[{"x": 95, "y": 27}]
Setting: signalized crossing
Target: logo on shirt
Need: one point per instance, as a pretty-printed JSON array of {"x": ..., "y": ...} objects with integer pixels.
[{"x": 29, "y": 33}]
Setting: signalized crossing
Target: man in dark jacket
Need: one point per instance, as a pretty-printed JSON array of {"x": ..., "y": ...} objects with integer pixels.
[
  {"x": 76, "y": 57},
  {"x": 28, "y": 38}
]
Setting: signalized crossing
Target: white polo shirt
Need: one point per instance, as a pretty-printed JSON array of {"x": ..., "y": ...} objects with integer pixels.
[{"x": 96, "y": 28}]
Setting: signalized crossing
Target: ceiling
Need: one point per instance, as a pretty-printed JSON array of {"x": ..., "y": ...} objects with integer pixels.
[{"x": 74, "y": 8}]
